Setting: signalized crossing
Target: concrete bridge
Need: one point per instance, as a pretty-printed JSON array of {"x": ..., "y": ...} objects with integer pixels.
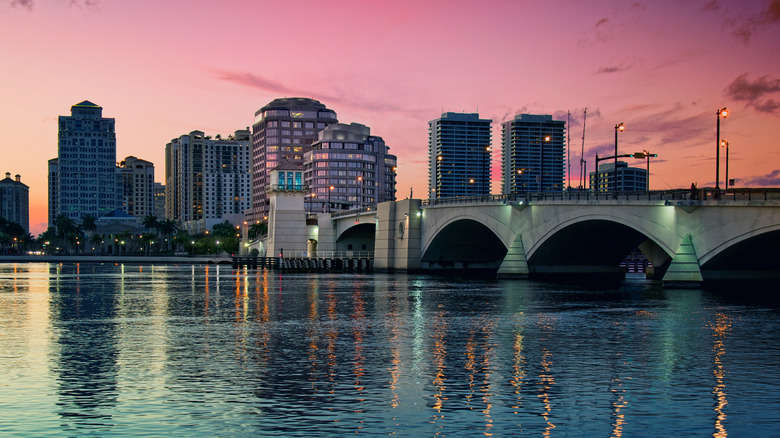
[{"x": 686, "y": 240}]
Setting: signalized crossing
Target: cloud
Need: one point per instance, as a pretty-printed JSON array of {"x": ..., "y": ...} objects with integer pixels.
[
  {"x": 613, "y": 68},
  {"x": 754, "y": 92},
  {"x": 606, "y": 28},
  {"x": 712, "y": 5},
  {"x": 771, "y": 179},
  {"x": 746, "y": 26},
  {"x": 335, "y": 96},
  {"x": 28, "y": 4}
]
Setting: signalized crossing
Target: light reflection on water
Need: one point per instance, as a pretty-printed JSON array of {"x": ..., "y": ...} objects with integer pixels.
[{"x": 99, "y": 350}]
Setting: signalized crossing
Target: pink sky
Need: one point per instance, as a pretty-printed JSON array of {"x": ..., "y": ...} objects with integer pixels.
[{"x": 165, "y": 68}]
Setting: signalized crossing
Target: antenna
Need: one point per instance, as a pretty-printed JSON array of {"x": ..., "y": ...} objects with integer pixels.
[
  {"x": 583, "y": 163},
  {"x": 568, "y": 148}
]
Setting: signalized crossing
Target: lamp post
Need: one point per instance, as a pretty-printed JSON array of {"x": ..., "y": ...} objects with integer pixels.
[
  {"x": 620, "y": 127},
  {"x": 330, "y": 189},
  {"x": 725, "y": 143},
  {"x": 542, "y": 141},
  {"x": 723, "y": 112},
  {"x": 360, "y": 192}
]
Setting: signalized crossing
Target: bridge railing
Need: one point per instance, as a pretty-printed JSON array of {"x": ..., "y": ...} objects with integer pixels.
[
  {"x": 353, "y": 211},
  {"x": 704, "y": 194},
  {"x": 328, "y": 254}
]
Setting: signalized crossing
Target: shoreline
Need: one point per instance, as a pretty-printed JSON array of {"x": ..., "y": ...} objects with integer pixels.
[{"x": 136, "y": 260}]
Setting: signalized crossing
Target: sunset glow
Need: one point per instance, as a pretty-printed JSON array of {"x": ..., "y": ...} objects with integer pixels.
[{"x": 163, "y": 69}]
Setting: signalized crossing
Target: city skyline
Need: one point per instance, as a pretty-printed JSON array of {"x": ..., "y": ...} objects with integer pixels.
[{"x": 662, "y": 69}]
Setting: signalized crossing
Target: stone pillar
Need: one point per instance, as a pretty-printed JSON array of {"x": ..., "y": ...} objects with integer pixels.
[
  {"x": 515, "y": 263},
  {"x": 399, "y": 228},
  {"x": 684, "y": 269}
]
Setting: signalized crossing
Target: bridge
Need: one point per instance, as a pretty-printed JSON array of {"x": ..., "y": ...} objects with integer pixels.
[{"x": 688, "y": 237}]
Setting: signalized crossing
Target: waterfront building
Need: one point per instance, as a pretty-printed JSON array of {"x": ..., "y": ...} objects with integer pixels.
[
  {"x": 52, "y": 186},
  {"x": 15, "y": 201},
  {"x": 348, "y": 168},
  {"x": 137, "y": 177},
  {"x": 459, "y": 155},
  {"x": 283, "y": 130},
  {"x": 159, "y": 200},
  {"x": 629, "y": 179},
  {"x": 533, "y": 154},
  {"x": 207, "y": 180},
  {"x": 83, "y": 178}
]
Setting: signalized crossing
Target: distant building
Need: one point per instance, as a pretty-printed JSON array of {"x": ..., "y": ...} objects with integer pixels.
[
  {"x": 137, "y": 177},
  {"x": 159, "y": 200},
  {"x": 348, "y": 168},
  {"x": 207, "y": 181},
  {"x": 459, "y": 156},
  {"x": 629, "y": 179},
  {"x": 15, "y": 201},
  {"x": 54, "y": 170},
  {"x": 83, "y": 178},
  {"x": 533, "y": 154},
  {"x": 283, "y": 130}
]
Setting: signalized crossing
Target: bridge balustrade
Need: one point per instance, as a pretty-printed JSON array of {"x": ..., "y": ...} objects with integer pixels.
[{"x": 587, "y": 195}]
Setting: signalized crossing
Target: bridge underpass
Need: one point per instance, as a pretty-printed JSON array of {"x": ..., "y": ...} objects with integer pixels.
[
  {"x": 592, "y": 247},
  {"x": 465, "y": 244}
]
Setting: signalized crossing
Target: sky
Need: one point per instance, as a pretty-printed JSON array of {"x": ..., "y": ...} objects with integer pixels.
[{"x": 165, "y": 68}]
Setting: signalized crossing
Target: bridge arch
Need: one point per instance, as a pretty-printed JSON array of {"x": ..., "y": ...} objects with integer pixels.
[
  {"x": 359, "y": 236},
  {"x": 592, "y": 243},
  {"x": 464, "y": 242},
  {"x": 750, "y": 255}
]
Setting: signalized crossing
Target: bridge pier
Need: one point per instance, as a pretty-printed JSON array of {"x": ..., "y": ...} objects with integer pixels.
[
  {"x": 515, "y": 263},
  {"x": 684, "y": 269},
  {"x": 398, "y": 245}
]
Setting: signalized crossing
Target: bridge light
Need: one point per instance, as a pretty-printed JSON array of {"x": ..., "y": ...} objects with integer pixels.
[{"x": 723, "y": 112}]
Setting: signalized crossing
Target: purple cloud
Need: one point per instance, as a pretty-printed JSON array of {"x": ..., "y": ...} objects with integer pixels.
[
  {"x": 771, "y": 179},
  {"x": 753, "y": 92}
]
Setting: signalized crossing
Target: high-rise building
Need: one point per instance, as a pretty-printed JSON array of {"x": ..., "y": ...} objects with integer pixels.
[
  {"x": 459, "y": 155},
  {"x": 53, "y": 195},
  {"x": 207, "y": 180},
  {"x": 283, "y": 130},
  {"x": 15, "y": 201},
  {"x": 83, "y": 177},
  {"x": 159, "y": 200},
  {"x": 533, "y": 154},
  {"x": 629, "y": 179},
  {"x": 348, "y": 168},
  {"x": 137, "y": 177}
]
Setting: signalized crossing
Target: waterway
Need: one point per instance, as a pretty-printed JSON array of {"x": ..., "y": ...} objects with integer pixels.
[{"x": 122, "y": 350}]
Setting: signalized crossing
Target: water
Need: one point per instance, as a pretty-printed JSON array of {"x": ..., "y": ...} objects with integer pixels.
[{"x": 112, "y": 350}]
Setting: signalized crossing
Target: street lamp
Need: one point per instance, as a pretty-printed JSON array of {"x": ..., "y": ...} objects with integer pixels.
[
  {"x": 542, "y": 140},
  {"x": 723, "y": 112},
  {"x": 620, "y": 127},
  {"x": 725, "y": 143},
  {"x": 360, "y": 192},
  {"x": 330, "y": 189}
]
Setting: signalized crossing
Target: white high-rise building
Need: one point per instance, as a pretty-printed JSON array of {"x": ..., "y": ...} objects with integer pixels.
[
  {"x": 137, "y": 178},
  {"x": 207, "y": 180},
  {"x": 83, "y": 177}
]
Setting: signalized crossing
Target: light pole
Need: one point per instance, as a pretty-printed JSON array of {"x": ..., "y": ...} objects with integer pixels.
[
  {"x": 620, "y": 127},
  {"x": 330, "y": 189},
  {"x": 542, "y": 141},
  {"x": 725, "y": 143},
  {"x": 360, "y": 192},
  {"x": 723, "y": 112}
]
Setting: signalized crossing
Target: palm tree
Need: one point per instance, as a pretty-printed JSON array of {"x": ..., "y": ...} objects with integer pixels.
[
  {"x": 65, "y": 228},
  {"x": 96, "y": 240},
  {"x": 168, "y": 229}
]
